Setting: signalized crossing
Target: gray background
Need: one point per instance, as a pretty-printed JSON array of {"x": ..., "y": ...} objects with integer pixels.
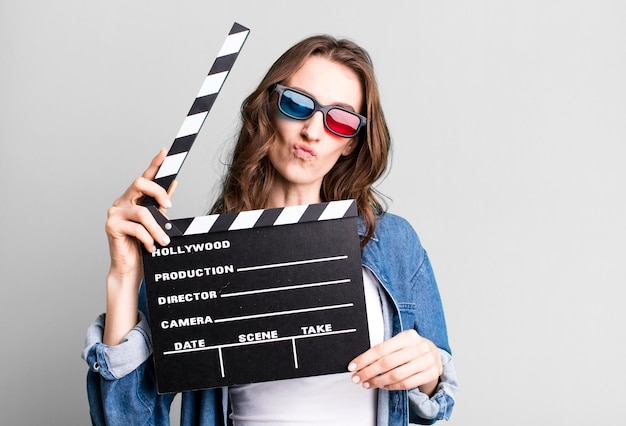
[{"x": 509, "y": 131}]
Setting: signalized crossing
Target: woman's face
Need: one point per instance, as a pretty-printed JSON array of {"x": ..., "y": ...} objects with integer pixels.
[{"x": 303, "y": 151}]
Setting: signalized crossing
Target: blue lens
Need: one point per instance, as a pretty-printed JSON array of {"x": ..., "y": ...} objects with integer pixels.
[{"x": 296, "y": 105}]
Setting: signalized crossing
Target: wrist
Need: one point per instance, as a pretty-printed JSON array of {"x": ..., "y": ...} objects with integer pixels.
[{"x": 429, "y": 388}]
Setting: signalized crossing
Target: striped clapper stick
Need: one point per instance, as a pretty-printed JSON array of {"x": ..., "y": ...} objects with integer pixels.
[{"x": 195, "y": 119}]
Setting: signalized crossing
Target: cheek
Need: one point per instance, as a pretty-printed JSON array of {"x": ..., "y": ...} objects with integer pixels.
[
  {"x": 273, "y": 149},
  {"x": 281, "y": 136},
  {"x": 349, "y": 147}
]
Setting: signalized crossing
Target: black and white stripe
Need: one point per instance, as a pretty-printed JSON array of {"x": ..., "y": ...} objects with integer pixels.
[
  {"x": 202, "y": 105},
  {"x": 265, "y": 217}
]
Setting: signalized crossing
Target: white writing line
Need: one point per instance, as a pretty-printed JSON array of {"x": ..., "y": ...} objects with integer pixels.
[
  {"x": 295, "y": 354},
  {"x": 298, "y": 262},
  {"x": 294, "y": 311},
  {"x": 291, "y": 287},
  {"x": 219, "y": 351},
  {"x": 256, "y": 342}
]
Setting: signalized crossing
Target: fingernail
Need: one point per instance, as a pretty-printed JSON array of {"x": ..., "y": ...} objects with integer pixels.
[
  {"x": 356, "y": 379},
  {"x": 165, "y": 240},
  {"x": 366, "y": 385},
  {"x": 168, "y": 203},
  {"x": 352, "y": 367}
]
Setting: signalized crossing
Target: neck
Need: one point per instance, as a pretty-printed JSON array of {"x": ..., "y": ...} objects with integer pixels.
[{"x": 291, "y": 195}]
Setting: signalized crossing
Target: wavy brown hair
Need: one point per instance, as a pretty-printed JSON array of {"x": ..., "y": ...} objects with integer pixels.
[{"x": 250, "y": 174}]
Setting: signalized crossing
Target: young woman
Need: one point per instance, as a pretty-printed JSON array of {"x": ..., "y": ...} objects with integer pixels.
[{"x": 312, "y": 131}]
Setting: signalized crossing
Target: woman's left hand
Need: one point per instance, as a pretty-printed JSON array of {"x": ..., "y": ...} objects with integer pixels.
[{"x": 405, "y": 361}]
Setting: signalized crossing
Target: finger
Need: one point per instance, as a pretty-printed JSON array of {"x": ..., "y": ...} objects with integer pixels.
[
  {"x": 145, "y": 218},
  {"x": 166, "y": 203},
  {"x": 162, "y": 197},
  {"x": 375, "y": 353},
  {"x": 156, "y": 162},
  {"x": 140, "y": 188},
  {"x": 172, "y": 188},
  {"x": 422, "y": 369},
  {"x": 397, "y": 376},
  {"x": 402, "y": 378},
  {"x": 129, "y": 221},
  {"x": 400, "y": 368},
  {"x": 139, "y": 232},
  {"x": 384, "y": 365}
]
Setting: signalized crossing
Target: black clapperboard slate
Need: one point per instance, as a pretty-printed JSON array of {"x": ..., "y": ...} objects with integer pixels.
[
  {"x": 274, "y": 301},
  {"x": 251, "y": 296}
]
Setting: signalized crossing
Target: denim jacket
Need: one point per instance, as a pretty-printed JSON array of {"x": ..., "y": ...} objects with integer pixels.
[{"x": 121, "y": 384}]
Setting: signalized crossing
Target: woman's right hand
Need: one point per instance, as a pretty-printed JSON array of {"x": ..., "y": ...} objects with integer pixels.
[{"x": 128, "y": 225}]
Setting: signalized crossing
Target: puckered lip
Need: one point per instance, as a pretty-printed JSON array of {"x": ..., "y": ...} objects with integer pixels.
[{"x": 304, "y": 149}]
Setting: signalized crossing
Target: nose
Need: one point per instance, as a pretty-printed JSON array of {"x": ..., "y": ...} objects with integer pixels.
[{"x": 313, "y": 127}]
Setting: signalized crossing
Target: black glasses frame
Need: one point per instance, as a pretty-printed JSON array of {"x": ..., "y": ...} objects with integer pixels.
[{"x": 280, "y": 89}]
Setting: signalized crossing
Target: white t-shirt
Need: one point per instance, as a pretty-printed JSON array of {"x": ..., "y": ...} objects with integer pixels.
[{"x": 320, "y": 400}]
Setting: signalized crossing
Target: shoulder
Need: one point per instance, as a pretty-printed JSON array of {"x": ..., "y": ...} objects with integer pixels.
[
  {"x": 392, "y": 222},
  {"x": 392, "y": 228},
  {"x": 394, "y": 236}
]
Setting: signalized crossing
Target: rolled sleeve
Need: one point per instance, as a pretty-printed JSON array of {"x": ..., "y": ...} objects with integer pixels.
[
  {"x": 115, "y": 362},
  {"x": 439, "y": 406}
]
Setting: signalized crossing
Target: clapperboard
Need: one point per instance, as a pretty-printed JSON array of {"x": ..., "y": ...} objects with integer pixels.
[{"x": 251, "y": 296}]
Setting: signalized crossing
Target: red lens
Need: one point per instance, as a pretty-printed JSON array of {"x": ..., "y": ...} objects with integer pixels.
[{"x": 342, "y": 122}]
